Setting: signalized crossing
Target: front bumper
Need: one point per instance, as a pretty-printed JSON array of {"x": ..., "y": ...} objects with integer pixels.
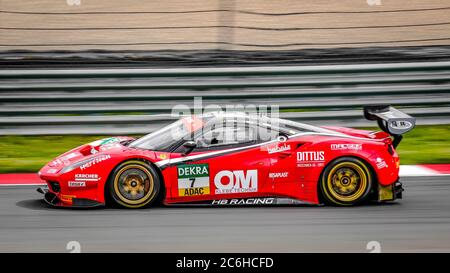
[{"x": 53, "y": 200}]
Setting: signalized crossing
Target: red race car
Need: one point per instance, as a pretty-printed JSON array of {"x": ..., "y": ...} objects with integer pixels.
[{"x": 232, "y": 159}]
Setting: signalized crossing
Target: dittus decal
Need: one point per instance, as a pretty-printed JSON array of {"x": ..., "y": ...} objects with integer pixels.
[
  {"x": 310, "y": 159},
  {"x": 193, "y": 179}
]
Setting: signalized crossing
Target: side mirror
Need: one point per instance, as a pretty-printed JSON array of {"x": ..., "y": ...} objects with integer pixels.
[{"x": 189, "y": 146}]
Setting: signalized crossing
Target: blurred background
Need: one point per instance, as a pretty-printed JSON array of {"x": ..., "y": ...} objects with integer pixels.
[
  {"x": 221, "y": 24},
  {"x": 75, "y": 70}
]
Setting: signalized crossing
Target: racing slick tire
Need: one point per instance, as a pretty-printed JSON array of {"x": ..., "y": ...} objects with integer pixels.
[
  {"x": 134, "y": 184},
  {"x": 346, "y": 181}
]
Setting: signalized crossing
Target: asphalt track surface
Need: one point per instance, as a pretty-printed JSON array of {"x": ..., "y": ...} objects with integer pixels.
[{"x": 418, "y": 223}]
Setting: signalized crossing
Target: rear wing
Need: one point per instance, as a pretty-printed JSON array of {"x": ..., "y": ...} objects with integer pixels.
[{"x": 390, "y": 120}]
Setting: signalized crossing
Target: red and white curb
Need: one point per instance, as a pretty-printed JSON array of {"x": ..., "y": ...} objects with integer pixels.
[
  {"x": 21, "y": 179},
  {"x": 424, "y": 170},
  {"x": 32, "y": 179}
]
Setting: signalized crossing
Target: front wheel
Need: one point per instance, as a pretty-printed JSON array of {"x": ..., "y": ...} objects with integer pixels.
[
  {"x": 134, "y": 184},
  {"x": 346, "y": 181}
]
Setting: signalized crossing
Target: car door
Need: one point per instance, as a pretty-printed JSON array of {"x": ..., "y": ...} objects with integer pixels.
[
  {"x": 292, "y": 161},
  {"x": 227, "y": 163},
  {"x": 284, "y": 173}
]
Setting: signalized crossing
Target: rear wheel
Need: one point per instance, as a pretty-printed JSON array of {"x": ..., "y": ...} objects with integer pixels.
[
  {"x": 134, "y": 184},
  {"x": 346, "y": 181}
]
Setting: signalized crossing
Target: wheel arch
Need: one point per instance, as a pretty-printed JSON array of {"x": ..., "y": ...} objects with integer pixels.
[
  {"x": 372, "y": 173},
  {"x": 157, "y": 169}
]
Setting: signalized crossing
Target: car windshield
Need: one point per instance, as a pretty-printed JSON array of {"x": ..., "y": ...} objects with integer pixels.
[{"x": 165, "y": 137}]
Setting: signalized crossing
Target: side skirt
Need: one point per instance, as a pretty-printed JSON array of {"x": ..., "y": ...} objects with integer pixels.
[{"x": 254, "y": 201}]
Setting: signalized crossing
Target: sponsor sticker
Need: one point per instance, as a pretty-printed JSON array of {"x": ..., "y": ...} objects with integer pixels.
[
  {"x": 70, "y": 156},
  {"x": 346, "y": 146},
  {"x": 401, "y": 125},
  {"x": 236, "y": 181},
  {"x": 67, "y": 198},
  {"x": 381, "y": 163},
  {"x": 278, "y": 148},
  {"x": 77, "y": 184},
  {"x": 193, "y": 179},
  {"x": 108, "y": 147},
  {"x": 105, "y": 141},
  {"x": 52, "y": 170},
  {"x": 310, "y": 159},
  {"x": 94, "y": 161},
  {"x": 162, "y": 156},
  {"x": 247, "y": 201},
  {"x": 87, "y": 177},
  {"x": 278, "y": 175},
  {"x": 59, "y": 162}
]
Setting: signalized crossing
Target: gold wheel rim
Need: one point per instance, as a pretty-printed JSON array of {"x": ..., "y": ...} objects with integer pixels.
[
  {"x": 134, "y": 185},
  {"x": 347, "y": 182}
]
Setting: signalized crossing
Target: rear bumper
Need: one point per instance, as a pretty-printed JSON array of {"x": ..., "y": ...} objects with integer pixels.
[
  {"x": 390, "y": 192},
  {"x": 398, "y": 190},
  {"x": 52, "y": 199}
]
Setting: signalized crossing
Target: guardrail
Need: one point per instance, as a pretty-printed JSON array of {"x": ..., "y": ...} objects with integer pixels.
[
  {"x": 224, "y": 71},
  {"x": 104, "y": 101}
]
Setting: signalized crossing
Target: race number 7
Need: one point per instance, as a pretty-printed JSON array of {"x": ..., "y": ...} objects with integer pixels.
[{"x": 192, "y": 182}]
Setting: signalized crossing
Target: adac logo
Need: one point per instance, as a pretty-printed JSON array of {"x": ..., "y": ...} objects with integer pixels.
[{"x": 193, "y": 179}]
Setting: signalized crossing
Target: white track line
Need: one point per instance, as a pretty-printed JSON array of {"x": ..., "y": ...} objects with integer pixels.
[{"x": 416, "y": 170}]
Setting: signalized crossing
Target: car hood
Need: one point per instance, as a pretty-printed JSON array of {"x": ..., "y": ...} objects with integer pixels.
[{"x": 86, "y": 151}]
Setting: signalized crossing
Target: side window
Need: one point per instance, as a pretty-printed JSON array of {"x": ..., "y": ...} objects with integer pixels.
[
  {"x": 218, "y": 137},
  {"x": 268, "y": 134}
]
